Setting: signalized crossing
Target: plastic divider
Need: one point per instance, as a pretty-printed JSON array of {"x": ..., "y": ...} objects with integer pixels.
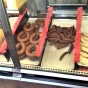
[
  {"x": 78, "y": 35},
  {"x": 44, "y": 32}
]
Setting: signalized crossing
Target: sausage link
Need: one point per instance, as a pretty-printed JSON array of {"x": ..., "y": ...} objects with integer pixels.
[
  {"x": 53, "y": 35},
  {"x": 62, "y": 46},
  {"x": 58, "y": 44},
  {"x": 51, "y": 31},
  {"x": 70, "y": 48},
  {"x": 62, "y": 56},
  {"x": 53, "y": 39}
]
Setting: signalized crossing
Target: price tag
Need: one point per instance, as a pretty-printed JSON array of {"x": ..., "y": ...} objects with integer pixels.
[{"x": 16, "y": 73}]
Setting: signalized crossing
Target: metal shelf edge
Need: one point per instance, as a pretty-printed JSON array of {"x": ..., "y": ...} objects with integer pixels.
[
  {"x": 54, "y": 83},
  {"x": 6, "y": 69},
  {"x": 52, "y": 74},
  {"x": 41, "y": 81},
  {"x": 9, "y": 78}
]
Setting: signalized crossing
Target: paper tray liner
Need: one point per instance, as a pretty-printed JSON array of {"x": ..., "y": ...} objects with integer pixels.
[
  {"x": 52, "y": 54},
  {"x": 25, "y": 61}
]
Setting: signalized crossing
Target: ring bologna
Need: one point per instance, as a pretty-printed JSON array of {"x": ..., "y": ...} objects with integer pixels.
[
  {"x": 32, "y": 38},
  {"x": 20, "y": 39},
  {"x": 22, "y": 50},
  {"x": 40, "y": 22},
  {"x": 37, "y": 29},
  {"x": 17, "y": 45},
  {"x": 22, "y": 57},
  {"x": 23, "y": 36},
  {"x": 26, "y": 26},
  {"x": 28, "y": 29},
  {"x": 27, "y": 43},
  {"x": 28, "y": 50}
]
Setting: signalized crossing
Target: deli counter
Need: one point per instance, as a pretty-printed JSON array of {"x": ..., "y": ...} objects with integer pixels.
[{"x": 45, "y": 42}]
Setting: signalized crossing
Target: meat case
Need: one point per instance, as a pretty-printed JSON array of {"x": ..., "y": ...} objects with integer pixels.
[{"x": 29, "y": 53}]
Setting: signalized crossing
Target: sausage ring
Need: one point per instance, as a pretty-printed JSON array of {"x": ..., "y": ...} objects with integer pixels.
[
  {"x": 22, "y": 39},
  {"x": 30, "y": 51},
  {"x": 22, "y": 57},
  {"x": 29, "y": 27},
  {"x": 27, "y": 43},
  {"x": 40, "y": 22},
  {"x": 20, "y": 48},
  {"x": 34, "y": 38}
]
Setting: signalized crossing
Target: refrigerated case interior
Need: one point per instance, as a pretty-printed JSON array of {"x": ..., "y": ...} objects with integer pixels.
[{"x": 63, "y": 16}]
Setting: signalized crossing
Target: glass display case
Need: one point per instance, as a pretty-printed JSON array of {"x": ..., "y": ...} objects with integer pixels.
[{"x": 46, "y": 43}]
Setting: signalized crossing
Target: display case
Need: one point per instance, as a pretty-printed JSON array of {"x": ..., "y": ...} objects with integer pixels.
[{"x": 47, "y": 44}]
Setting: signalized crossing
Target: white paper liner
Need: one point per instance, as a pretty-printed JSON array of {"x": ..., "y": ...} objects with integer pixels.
[
  {"x": 52, "y": 54},
  {"x": 12, "y": 21}
]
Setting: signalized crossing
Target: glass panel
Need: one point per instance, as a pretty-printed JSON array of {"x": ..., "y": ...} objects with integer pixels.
[
  {"x": 5, "y": 58},
  {"x": 57, "y": 53},
  {"x": 34, "y": 5},
  {"x": 7, "y": 48}
]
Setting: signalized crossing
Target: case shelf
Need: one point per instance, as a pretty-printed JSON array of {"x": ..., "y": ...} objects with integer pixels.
[{"x": 39, "y": 74}]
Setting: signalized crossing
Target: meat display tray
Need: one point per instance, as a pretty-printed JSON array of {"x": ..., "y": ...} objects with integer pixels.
[
  {"x": 26, "y": 61},
  {"x": 52, "y": 54}
]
